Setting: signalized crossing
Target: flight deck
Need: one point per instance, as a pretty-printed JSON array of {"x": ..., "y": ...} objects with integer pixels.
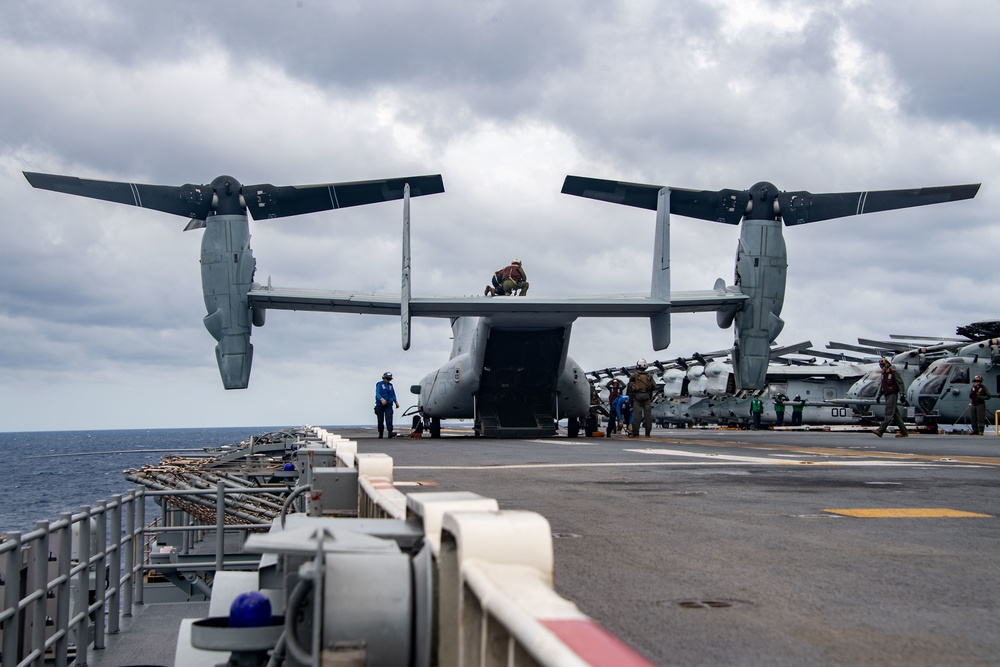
[{"x": 726, "y": 547}]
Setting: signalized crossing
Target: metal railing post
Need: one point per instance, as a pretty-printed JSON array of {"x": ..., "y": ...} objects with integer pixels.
[
  {"x": 113, "y": 607},
  {"x": 220, "y": 524},
  {"x": 64, "y": 589},
  {"x": 139, "y": 543},
  {"x": 12, "y": 589},
  {"x": 40, "y": 584},
  {"x": 101, "y": 573},
  {"x": 83, "y": 588},
  {"x": 128, "y": 544}
]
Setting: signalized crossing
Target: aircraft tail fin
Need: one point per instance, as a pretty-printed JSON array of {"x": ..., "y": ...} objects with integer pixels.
[
  {"x": 659, "y": 324},
  {"x": 404, "y": 295}
]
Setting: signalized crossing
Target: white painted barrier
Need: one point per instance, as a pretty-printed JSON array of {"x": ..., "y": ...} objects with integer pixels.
[
  {"x": 495, "y": 586},
  {"x": 379, "y": 499}
]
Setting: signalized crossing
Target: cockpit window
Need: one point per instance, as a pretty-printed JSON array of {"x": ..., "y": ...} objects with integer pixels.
[
  {"x": 870, "y": 385},
  {"x": 940, "y": 369},
  {"x": 934, "y": 387},
  {"x": 960, "y": 375}
]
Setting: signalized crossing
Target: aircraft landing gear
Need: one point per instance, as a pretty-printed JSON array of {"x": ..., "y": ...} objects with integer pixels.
[
  {"x": 573, "y": 427},
  {"x": 435, "y": 427}
]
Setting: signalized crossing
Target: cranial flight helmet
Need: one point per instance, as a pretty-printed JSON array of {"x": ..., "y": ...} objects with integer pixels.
[
  {"x": 641, "y": 364},
  {"x": 516, "y": 261},
  {"x": 387, "y": 376}
]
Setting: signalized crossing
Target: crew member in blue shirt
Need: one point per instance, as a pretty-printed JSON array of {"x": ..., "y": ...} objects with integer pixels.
[{"x": 385, "y": 398}]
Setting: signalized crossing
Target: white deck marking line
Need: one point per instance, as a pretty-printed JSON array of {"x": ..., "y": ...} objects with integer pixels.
[
  {"x": 721, "y": 457},
  {"x": 676, "y": 464}
]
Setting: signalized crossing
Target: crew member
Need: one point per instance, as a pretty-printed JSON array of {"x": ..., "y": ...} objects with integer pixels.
[
  {"x": 615, "y": 387},
  {"x": 640, "y": 390},
  {"x": 779, "y": 409},
  {"x": 978, "y": 395},
  {"x": 385, "y": 399},
  {"x": 509, "y": 280},
  {"x": 797, "y": 406},
  {"x": 756, "y": 409},
  {"x": 891, "y": 386},
  {"x": 619, "y": 415}
]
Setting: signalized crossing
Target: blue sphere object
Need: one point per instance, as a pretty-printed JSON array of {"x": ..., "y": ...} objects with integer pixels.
[
  {"x": 250, "y": 610},
  {"x": 289, "y": 466}
]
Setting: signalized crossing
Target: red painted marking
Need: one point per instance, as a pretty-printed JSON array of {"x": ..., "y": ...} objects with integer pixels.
[{"x": 595, "y": 644}]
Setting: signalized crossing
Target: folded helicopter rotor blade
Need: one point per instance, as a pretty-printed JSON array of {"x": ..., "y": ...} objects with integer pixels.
[
  {"x": 269, "y": 201},
  {"x": 895, "y": 346},
  {"x": 799, "y": 208},
  {"x": 930, "y": 338},
  {"x": 726, "y": 206},
  {"x": 790, "y": 349},
  {"x": 833, "y": 345},
  {"x": 189, "y": 201}
]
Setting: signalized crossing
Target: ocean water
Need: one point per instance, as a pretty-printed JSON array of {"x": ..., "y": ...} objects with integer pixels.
[{"x": 47, "y": 473}]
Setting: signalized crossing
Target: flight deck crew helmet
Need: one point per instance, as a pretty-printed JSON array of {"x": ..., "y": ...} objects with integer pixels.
[
  {"x": 978, "y": 378},
  {"x": 641, "y": 364},
  {"x": 516, "y": 262},
  {"x": 884, "y": 363},
  {"x": 387, "y": 376}
]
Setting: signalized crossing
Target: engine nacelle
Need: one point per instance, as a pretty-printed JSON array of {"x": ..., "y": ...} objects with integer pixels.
[
  {"x": 761, "y": 265},
  {"x": 227, "y": 268}
]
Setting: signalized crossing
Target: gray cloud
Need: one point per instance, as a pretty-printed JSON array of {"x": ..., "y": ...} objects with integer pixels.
[{"x": 100, "y": 305}]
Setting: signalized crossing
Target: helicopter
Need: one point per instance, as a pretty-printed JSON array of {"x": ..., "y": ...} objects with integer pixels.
[
  {"x": 718, "y": 401},
  {"x": 909, "y": 359},
  {"x": 940, "y": 395}
]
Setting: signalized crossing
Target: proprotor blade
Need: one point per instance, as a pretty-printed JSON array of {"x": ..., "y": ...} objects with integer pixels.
[
  {"x": 799, "y": 208},
  {"x": 269, "y": 201},
  {"x": 726, "y": 206},
  {"x": 189, "y": 201}
]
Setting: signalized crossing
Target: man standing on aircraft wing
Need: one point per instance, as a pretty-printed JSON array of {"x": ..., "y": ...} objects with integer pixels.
[
  {"x": 385, "y": 398},
  {"x": 978, "y": 395},
  {"x": 891, "y": 387},
  {"x": 640, "y": 389}
]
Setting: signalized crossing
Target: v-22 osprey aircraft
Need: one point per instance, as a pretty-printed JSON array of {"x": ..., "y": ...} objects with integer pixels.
[{"x": 509, "y": 369}]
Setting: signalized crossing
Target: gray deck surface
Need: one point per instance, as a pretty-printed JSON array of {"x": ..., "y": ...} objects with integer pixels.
[
  {"x": 149, "y": 637},
  {"x": 726, "y": 547}
]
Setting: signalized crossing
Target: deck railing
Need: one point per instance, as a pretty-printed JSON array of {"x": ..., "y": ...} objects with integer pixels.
[{"x": 73, "y": 578}]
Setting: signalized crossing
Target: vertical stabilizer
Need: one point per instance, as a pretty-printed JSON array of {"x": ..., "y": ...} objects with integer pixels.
[
  {"x": 660, "y": 289},
  {"x": 404, "y": 295}
]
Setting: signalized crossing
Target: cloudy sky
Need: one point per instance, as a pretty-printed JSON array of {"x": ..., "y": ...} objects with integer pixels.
[{"x": 101, "y": 304}]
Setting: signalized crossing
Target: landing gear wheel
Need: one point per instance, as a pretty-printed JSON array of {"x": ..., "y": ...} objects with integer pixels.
[
  {"x": 435, "y": 427},
  {"x": 573, "y": 427}
]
